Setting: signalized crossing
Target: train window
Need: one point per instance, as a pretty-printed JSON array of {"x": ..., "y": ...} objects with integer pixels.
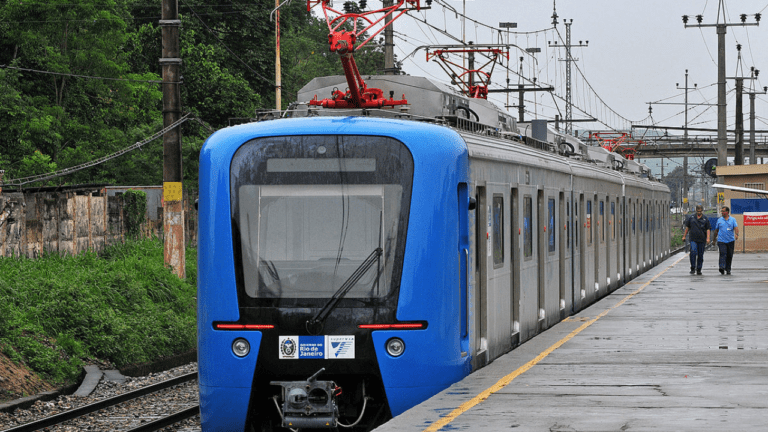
[
  {"x": 551, "y": 224},
  {"x": 498, "y": 231},
  {"x": 601, "y": 228},
  {"x": 613, "y": 220},
  {"x": 302, "y": 228},
  {"x": 588, "y": 216},
  {"x": 527, "y": 227}
]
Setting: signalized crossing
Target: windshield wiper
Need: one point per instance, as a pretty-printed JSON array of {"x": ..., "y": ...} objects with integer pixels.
[{"x": 322, "y": 314}]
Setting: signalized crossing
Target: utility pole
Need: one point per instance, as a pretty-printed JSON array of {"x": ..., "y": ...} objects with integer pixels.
[
  {"x": 568, "y": 60},
  {"x": 521, "y": 90},
  {"x": 739, "y": 127},
  {"x": 173, "y": 210},
  {"x": 278, "y": 73},
  {"x": 722, "y": 143},
  {"x": 739, "y": 151},
  {"x": 685, "y": 133},
  {"x": 389, "y": 42},
  {"x": 752, "y": 143},
  {"x": 508, "y": 25}
]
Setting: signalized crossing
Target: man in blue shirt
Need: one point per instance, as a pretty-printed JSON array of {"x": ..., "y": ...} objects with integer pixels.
[
  {"x": 698, "y": 226},
  {"x": 726, "y": 232}
]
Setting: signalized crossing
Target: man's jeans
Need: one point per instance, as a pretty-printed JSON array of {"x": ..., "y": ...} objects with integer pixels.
[
  {"x": 726, "y": 254},
  {"x": 697, "y": 255}
]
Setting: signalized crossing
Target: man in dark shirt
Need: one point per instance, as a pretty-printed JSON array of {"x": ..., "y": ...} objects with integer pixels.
[{"x": 698, "y": 226}]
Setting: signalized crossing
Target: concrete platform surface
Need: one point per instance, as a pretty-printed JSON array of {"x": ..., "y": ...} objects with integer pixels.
[{"x": 669, "y": 351}]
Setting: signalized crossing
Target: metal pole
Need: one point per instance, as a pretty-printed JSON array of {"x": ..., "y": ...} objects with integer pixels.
[
  {"x": 173, "y": 210},
  {"x": 509, "y": 58},
  {"x": 278, "y": 74},
  {"x": 752, "y": 157},
  {"x": 685, "y": 139},
  {"x": 389, "y": 43},
  {"x": 722, "y": 138},
  {"x": 568, "y": 106},
  {"x": 739, "y": 150}
]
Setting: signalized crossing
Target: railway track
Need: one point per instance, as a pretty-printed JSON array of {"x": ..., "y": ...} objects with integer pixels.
[{"x": 148, "y": 408}]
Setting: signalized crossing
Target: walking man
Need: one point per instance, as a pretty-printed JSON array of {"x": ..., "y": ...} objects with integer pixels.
[
  {"x": 699, "y": 227},
  {"x": 726, "y": 232}
]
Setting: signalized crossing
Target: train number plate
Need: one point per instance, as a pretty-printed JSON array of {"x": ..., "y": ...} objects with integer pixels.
[{"x": 317, "y": 347}]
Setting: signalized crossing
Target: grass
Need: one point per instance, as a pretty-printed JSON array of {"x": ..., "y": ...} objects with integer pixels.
[{"x": 122, "y": 306}]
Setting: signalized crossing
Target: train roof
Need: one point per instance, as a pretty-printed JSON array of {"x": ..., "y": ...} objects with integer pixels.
[{"x": 434, "y": 102}]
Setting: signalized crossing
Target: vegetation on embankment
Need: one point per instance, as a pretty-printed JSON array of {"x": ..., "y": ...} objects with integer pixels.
[
  {"x": 121, "y": 306},
  {"x": 676, "y": 231}
]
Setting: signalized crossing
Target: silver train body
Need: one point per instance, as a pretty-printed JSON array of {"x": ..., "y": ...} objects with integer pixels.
[{"x": 558, "y": 224}]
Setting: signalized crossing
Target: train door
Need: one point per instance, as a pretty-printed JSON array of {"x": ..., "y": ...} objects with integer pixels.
[
  {"x": 498, "y": 296},
  {"x": 601, "y": 272},
  {"x": 464, "y": 209},
  {"x": 616, "y": 239},
  {"x": 629, "y": 215},
  {"x": 641, "y": 233},
  {"x": 562, "y": 263},
  {"x": 593, "y": 243},
  {"x": 570, "y": 267},
  {"x": 644, "y": 215},
  {"x": 515, "y": 259},
  {"x": 610, "y": 240},
  {"x": 636, "y": 236},
  {"x": 580, "y": 233},
  {"x": 529, "y": 268},
  {"x": 541, "y": 246},
  {"x": 479, "y": 308}
]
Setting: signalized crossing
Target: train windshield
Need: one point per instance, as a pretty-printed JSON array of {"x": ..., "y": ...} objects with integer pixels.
[{"x": 306, "y": 225}]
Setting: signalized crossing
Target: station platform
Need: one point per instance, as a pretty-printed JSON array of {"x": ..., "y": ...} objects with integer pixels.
[{"x": 668, "y": 351}]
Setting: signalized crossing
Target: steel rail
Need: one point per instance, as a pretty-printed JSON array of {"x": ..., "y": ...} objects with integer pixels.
[
  {"x": 105, "y": 403},
  {"x": 167, "y": 421}
]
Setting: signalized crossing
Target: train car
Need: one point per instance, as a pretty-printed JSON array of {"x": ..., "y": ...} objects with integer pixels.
[{"x": 352, "y": 264}]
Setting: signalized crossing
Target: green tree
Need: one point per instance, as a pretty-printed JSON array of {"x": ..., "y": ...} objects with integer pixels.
[{"x": 71, "y": 118}]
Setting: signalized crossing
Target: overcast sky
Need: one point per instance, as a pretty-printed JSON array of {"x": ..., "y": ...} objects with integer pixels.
[{"x": 638, "y": 51}]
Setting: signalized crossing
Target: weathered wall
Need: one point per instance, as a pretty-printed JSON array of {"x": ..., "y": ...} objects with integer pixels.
[{"x": 71, "y": 222}]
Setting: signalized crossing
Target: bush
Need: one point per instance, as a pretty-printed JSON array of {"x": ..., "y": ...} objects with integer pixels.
[
  {"x": 123, "y": 306},
  {"x": 135, "y": 210}
]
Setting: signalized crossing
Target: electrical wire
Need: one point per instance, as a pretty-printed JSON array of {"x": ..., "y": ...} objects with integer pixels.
[
  {"x": 86, "y": 76},
  {"x": 101, "y": 160}
]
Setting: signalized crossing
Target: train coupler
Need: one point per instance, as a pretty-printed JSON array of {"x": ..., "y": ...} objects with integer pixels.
[{"x": 308, "y": 404}]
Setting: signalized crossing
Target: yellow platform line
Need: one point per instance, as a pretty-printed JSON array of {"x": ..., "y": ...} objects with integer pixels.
[{"x": 466, "y": 406}]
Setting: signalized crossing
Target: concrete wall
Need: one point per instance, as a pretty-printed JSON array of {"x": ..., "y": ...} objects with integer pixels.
[{"x": 70, "y": 222}]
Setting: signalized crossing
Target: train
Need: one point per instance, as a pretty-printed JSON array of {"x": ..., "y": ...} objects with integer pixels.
[{"x": 353, "y": 263}]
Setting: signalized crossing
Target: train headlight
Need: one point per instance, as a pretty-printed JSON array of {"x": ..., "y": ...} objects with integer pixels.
[
  {"x": 395, "y": 347},
  {"x": 241, "y": 347}
]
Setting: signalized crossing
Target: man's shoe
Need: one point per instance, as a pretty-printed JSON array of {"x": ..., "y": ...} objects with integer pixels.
[
  {"x": 698, "y": 272},
  {"x": 728, "y": 272},
  {"x": 722, "y": 271},
  {"x": 693, "y": 271}
]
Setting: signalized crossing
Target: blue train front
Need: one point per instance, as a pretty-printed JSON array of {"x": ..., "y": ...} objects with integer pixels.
[{"x": 332, "y": 271}]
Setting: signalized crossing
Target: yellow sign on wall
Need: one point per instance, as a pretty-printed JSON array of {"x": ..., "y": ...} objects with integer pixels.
[{"x": 720, "y": 197}]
